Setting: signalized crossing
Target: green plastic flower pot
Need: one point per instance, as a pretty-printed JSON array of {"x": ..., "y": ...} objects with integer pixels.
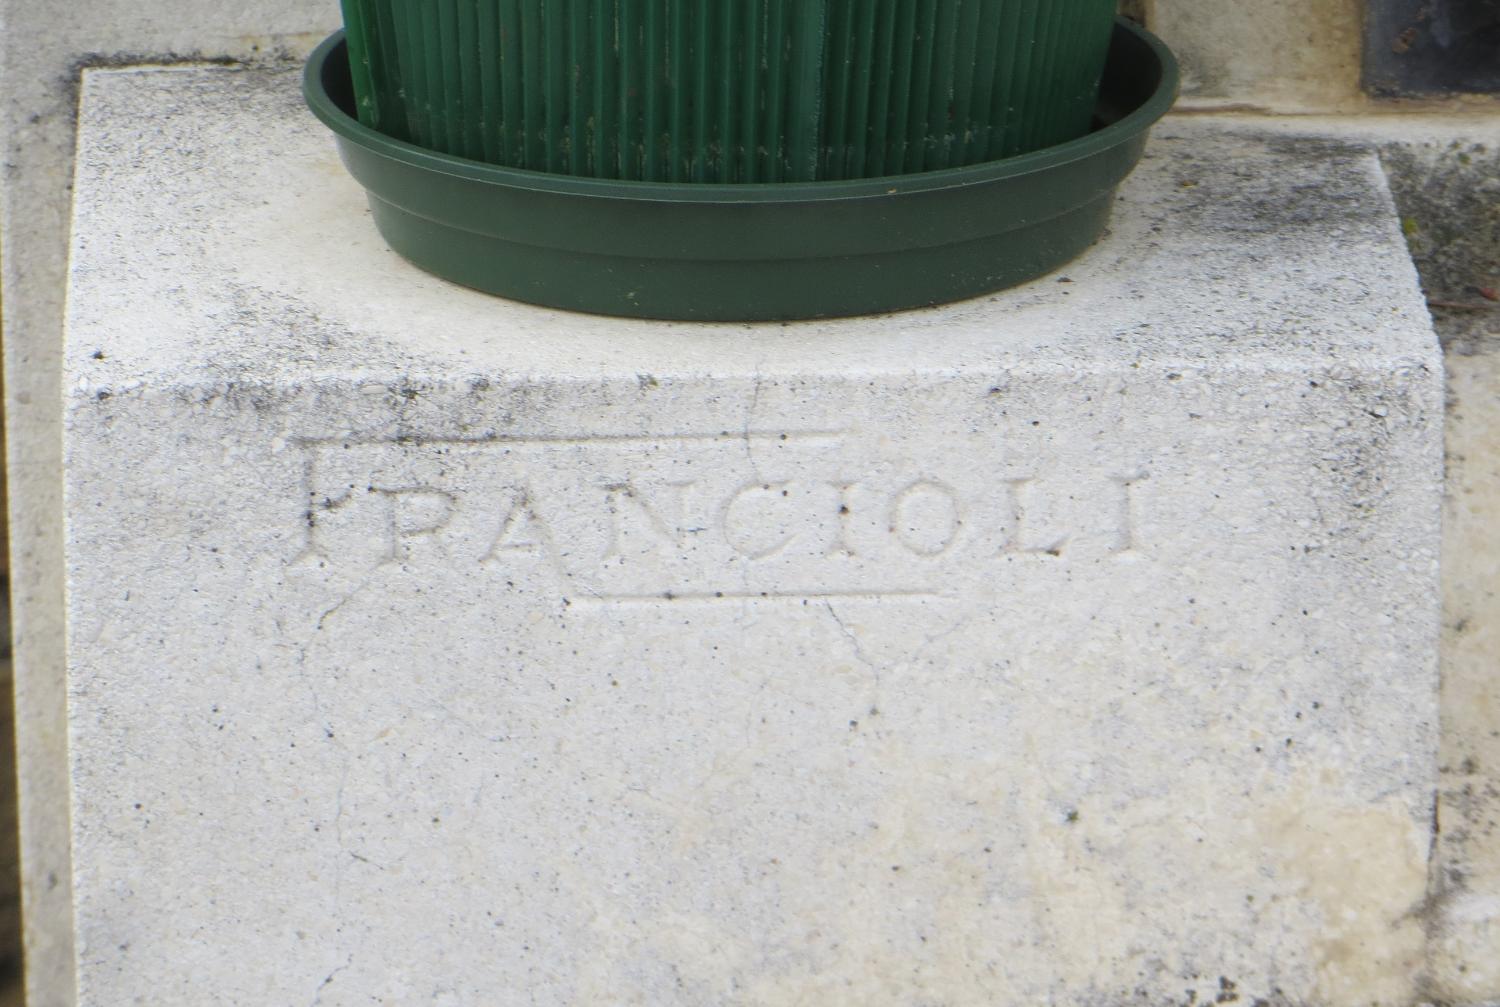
[
  {"x": 748, "y": 252},
  {"x": 728, "y": 90}
]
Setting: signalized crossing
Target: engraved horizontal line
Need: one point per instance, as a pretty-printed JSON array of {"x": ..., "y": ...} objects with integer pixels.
[
  {"x": 581, "y": 439},
  {"x": 714, "y": 597}
]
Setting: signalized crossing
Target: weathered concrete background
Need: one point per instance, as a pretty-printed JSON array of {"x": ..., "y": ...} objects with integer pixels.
[
  {"x": 11, "y": 958},
  {"x": 1449, "y": 192},
  {"x": 42, "y": 47},
  {"x": 1286, "y": 54},
  {"x": 1281, "y": 55},
  {"x": 1464, "y": 954}
]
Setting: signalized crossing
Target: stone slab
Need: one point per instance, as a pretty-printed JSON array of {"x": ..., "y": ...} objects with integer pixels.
[
  {"x": 43, "y": 46},
  {"x": 1444, "y": 172},
  {"x": 1076, "y": 645}
]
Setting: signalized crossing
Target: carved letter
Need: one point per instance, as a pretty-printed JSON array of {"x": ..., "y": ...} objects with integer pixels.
[
  {"x": 1016, "y": 545},
  {"x": 754, "y": 538},
  {"x": 664, "y": 528},
  {"x": 925, "y": 518},
  {"x": 1126, "y": 540},
  {"x": 415, "y": 513},
  {"x": 522, "y": 531},
  {"x": 314, "y": 546},
  {"x": 841, "y": 545}
]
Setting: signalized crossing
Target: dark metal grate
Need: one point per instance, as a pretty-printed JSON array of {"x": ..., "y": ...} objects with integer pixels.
[{"x": 1425, "y": 47}]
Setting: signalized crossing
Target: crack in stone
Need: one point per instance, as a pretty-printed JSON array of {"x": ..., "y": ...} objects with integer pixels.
[
  {"x": 328, "y": 981},
  {"x": 859, "y": 652}
]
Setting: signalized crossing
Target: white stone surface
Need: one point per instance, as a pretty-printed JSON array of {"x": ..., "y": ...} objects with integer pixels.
[
  {"x": 1441, "y": 156},
  {"x": 1071, "y": 646},
  {"x": 42, "y": 48},
  {"x": 1466, "y": 945}
]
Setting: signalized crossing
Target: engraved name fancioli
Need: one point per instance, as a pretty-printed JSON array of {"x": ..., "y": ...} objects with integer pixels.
[{"x": 685, "y": 517}]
